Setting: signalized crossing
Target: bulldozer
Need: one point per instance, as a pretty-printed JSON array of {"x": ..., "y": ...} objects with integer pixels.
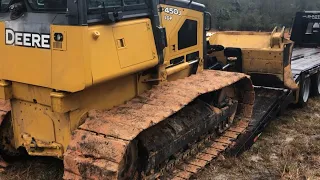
[
  {"x": 132, "y": 89},
  {"x": 117, "y": 89}
]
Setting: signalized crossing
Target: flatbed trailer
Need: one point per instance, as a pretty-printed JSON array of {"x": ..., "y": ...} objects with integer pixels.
[
  {"x": 269, "y": 102},
  {"x": 273, "y": 101}
]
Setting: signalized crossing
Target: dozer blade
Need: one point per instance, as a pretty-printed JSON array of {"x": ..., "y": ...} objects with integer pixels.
[
  {"x": 266, "y": 57},
  {"x": 289, "y": 82},
  {"x": 166, "y": 131}
]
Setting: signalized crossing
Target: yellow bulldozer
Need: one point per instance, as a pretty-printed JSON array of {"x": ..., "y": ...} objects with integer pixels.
[{"x": 118, "y": 89}]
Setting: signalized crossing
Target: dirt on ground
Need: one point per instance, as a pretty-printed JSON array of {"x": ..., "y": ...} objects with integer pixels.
[{"x": 288, "y": 149}]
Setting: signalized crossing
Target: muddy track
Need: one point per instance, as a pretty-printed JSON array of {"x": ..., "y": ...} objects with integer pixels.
[
  {"x": 197, "y": 158},
  {"x": 100, "y": 147},
  {"x": 5, "y": 108}
]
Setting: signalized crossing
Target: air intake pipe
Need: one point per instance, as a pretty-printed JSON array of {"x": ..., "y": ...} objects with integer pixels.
[{"x": 159, "y": 31}]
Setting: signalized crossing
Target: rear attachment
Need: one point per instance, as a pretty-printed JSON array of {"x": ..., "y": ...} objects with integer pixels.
[{"x": 156, "y": 134}]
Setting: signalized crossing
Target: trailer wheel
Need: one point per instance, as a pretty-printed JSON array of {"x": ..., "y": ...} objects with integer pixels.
[
  {"x": 315, "y": 84},
  {"x": 304, "y": 94}
]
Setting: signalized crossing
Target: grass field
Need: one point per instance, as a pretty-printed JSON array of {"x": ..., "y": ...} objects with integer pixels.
[{"x": 288, "y": 149}]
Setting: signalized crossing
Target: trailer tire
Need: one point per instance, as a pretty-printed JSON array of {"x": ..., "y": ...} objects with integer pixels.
[
  {"x": 315, "y": 84},
  {"x": 304, "y": 94}
]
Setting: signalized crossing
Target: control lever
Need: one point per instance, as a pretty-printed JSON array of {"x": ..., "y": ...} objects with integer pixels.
[
  {"x": 232, "y": 61},
  {"x": 227, "y": 66}
]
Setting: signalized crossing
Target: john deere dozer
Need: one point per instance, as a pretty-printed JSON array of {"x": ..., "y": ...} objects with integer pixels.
[{"x": 117, "y": 88}]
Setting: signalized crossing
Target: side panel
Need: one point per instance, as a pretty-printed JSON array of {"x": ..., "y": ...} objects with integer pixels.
[
  {"x": 24, "y": 64},
  {"x": 183, "y": 26},
  {"x": 69, "y": 71},
  {"x": 121, "y": 49},
  {"x": 134, "y": 48},
  {"x": 85, "y": 56}
]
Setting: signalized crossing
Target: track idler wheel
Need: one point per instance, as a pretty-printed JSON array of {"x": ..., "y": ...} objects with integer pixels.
[{"x": 223, "y": 99}]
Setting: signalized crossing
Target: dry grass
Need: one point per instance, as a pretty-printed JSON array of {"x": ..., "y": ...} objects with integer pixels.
[
  {"x": 289, "y": 149},
  {"x": 37, "y": 168}
]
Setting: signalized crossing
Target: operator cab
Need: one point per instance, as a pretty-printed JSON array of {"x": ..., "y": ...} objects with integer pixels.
[{"x": 93, "y": 11}]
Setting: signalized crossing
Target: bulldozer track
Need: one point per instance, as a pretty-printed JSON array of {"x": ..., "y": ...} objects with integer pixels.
[
  {"x": 101, "y": 147},
  {"x": 5, "y": 107},
  {"x": 205, "y": 151}
]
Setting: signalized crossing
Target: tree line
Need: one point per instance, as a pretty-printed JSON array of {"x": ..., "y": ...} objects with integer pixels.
[{"x": 256, "y": 15}]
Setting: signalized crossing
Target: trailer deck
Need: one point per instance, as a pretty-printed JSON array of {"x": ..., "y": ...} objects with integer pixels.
[
  {"x": 305, "y": 60},
  {"x": 299, "y": 53},
  {"x": 269, "y": 102}
]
